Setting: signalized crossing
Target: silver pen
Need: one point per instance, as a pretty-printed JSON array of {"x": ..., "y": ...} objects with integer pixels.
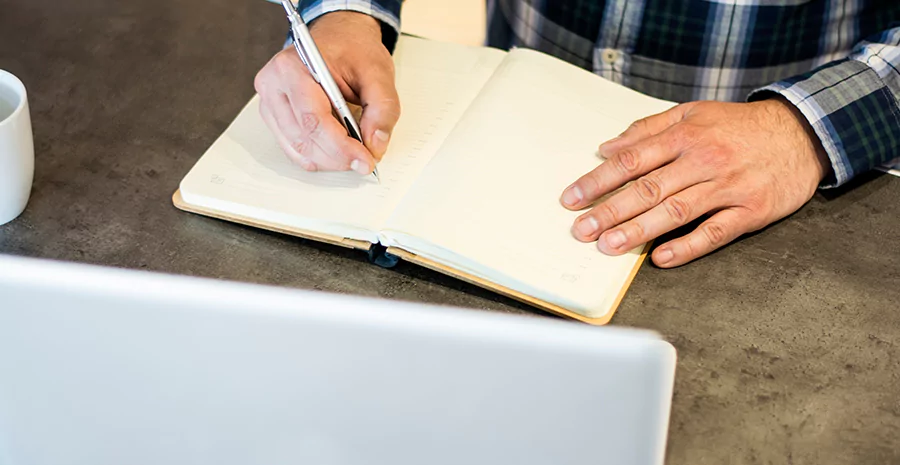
[{"x": 310, "y": 56}]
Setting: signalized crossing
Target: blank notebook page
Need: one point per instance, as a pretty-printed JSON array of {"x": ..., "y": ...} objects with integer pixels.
[
  {"x": 488, "y": 203},
  {"x": 245, "y": 172}
]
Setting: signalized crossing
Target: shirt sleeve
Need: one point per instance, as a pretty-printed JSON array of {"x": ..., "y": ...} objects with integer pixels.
[
  {"x": 387, "y": 12},
  {"x": 852, "y": 104}
]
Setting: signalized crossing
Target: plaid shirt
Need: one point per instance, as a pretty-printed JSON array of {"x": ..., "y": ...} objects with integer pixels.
[{"x": 838, "y": 61}]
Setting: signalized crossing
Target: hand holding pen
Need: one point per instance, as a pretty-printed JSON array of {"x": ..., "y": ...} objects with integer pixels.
[{"x": 300, "y": 113}]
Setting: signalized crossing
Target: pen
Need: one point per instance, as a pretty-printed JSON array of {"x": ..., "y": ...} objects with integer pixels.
[{"x": 310, "y": 56}]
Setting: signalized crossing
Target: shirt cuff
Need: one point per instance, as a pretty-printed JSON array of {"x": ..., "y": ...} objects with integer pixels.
[
  {"x": 387, "y": 12},
  {"x": 851, "y": 109}
]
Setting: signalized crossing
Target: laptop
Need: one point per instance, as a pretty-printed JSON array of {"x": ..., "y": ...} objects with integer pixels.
[{"x": 103, "y": 366}]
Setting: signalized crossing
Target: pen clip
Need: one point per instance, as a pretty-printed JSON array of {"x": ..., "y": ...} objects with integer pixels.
[{"x": 294, "y": 18}]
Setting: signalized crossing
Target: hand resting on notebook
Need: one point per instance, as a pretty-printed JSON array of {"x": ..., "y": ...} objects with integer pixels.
[
  {"x": 746, "y": 164},
  {"x": 298, "y": 112}
]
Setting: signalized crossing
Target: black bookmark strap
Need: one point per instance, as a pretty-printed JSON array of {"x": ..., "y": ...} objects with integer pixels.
[{"x": 379, "y": 255}]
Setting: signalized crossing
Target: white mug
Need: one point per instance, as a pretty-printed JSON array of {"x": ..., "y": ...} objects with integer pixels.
[{"x": 16, "y": 148}]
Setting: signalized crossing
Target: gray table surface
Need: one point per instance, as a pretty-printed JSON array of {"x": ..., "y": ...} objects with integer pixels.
[{"x": 788, "y": 340}]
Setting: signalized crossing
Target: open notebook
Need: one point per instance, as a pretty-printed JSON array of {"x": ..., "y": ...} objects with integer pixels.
[{"x": 470, "y": 185}]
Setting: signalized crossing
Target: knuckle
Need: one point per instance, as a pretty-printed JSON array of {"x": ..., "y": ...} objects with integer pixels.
[
  {"x": 636, "y": 231},
  {"x": 700, "y": 106},
  {"x": 706, "y": 157},
  {"x": 715, "y": 233},
  {"x": 679, "y": 210},
  {"x": 283, "y": 60},
  {"x": 638, "y": 126},
  {"x": 299, "y": 146},
  {"x": 756, "y": 223},
  {"x": 719, "y": 158},
  {"x": 678, "y": 113},
  {"x": 627, "y": 161},
  {"x": 259, "y": 82},
  {"x": 685, "y": 135},
  {"x": 309, "y": 122},
  {"x": 725, "y": 152},
  {"x": 649, "y": 190},
  {"x": 689, "y": 248},
  {"x": 755, "y": 201},
  {"x": 607, "y": 214}
]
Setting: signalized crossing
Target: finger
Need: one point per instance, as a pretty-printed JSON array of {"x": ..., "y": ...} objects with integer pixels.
[
  {"x": 675, "y": 211},
  {"x": 312, "y": 112},
  {"x": 644, "y": 128},
  {"x": 627, "y": 164},
  {"x": 381, "y": 110},
  {"x": 291, "y": 151},
  {"x": 374, "y": 89},
  {"x": 322, "y": 141},
  {"x": 722, "y": 228},
  {"x": 303, "y": 142},
  {"x": 641, "y": 196}
]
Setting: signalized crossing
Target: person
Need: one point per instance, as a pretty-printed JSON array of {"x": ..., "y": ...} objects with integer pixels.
[{"x": 780, "y": 97}]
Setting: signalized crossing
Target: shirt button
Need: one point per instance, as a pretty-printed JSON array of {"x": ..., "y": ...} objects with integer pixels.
[{"x": 609, "y": 56}]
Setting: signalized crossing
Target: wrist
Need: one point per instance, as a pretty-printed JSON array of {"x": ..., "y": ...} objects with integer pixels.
[
  {"x": 345, "y": 20},
  {"x": 790, "y": 118}
]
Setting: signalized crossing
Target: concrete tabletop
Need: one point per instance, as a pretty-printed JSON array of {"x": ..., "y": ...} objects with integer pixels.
[{"x": 788, "y": 340}]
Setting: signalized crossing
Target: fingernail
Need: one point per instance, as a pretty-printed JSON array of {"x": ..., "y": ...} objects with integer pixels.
[
  {"x": 614, "y": 239},
  {"x": 380, "y": 141},
  {"x": 573, "y": 196},
  {"x": 360, "y": 167},
  {"x": 587, "y": 226},
  {"x": 664, "y": 256}
]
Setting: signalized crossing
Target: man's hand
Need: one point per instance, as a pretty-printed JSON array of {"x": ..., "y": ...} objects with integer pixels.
[
  {"x": 745, "y": 164},
  {"x": 299, "y": 113}
]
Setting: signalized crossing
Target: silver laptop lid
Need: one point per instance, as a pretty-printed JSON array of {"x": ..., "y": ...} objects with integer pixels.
[{"x": 104, "y": 366}]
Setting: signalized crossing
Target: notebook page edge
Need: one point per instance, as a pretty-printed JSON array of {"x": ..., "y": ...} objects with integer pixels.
[{"x": 600, "y": 308}]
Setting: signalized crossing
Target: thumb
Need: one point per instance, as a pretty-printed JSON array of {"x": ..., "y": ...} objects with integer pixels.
[{"x": 381, "y": 110}]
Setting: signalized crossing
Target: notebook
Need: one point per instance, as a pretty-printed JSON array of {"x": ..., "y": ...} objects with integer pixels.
[{"x": 470, "y": 185}]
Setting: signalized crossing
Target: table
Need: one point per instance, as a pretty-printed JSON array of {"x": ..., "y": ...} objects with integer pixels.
[{"x": 788, "y": 340}]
